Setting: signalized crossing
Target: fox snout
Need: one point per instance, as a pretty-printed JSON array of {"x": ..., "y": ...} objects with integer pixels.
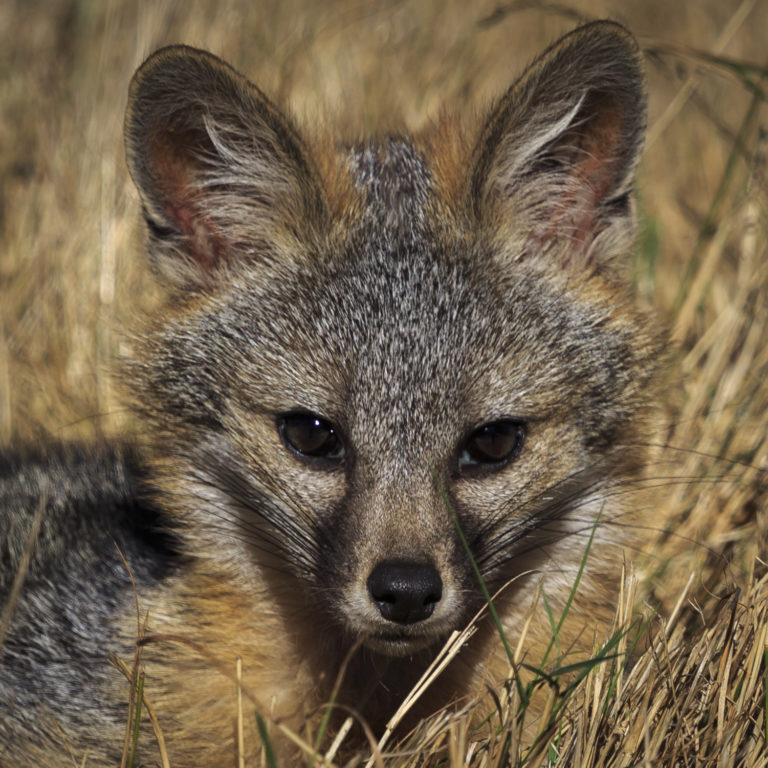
[
  {"x": 405, "y": 591},
  {"x": 399, "y": 577},
  {"x": 406, "y": 607},
  {"x": 401, "y": 599}
]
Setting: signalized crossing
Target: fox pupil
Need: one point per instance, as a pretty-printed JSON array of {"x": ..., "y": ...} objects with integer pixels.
[
  {"x": 310, "y": 436},
  {"x": 492, "y": 446}
]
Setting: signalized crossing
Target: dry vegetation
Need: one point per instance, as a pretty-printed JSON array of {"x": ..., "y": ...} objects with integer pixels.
[{"x": 71, "y": 276}]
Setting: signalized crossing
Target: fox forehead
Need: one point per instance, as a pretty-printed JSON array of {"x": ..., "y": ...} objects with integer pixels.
[
  {"x": 402, "y": 321},
  {"x": 378, "y": 315}
]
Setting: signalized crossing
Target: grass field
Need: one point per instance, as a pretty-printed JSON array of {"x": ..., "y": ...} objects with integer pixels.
[{"x": 72, "y": 276}]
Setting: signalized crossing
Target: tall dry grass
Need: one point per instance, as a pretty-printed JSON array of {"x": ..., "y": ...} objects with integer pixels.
[{"x": 72, "y": 275}]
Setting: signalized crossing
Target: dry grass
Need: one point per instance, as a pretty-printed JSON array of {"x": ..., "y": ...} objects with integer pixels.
[{"x": 71, "y": 275}]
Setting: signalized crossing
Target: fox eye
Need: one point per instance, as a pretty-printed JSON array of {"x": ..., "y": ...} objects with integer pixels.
[
  {"x": 311, "y": 437},
  {"x": 491, "y": 447}
]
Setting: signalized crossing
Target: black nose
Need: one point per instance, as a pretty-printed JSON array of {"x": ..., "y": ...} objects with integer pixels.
[{"x": 405, "y": 591}]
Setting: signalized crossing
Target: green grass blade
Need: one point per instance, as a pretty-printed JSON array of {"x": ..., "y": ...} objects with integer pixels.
[
  {"x": 572, "y": 593},
  {"x": 478, "y": 575},
  {"x": 136, "y": 719},
  {"x": 323, "y": 728},
  {"x": 266, "y": 741}
]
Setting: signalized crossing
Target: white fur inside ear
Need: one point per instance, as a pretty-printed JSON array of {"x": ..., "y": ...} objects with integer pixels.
[
  {"x": 555, "y": 160},
  {"x": 517, "y": 161},
  {"x": 243, "y": 157}
]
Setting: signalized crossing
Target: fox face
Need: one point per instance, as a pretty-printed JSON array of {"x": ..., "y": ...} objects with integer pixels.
[{"x": 385, "y": 363}]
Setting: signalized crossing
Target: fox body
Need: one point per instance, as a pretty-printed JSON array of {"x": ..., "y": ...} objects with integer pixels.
[{"x": 367, "y": 351}]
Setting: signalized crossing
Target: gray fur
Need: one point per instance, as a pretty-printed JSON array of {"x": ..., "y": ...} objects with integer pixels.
[
  {"x": 53, "y": 663},
  {"x": 396, "y": 182}
]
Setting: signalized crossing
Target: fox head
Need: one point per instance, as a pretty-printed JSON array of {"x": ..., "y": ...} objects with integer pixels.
[{"x": 381, "y": 362}]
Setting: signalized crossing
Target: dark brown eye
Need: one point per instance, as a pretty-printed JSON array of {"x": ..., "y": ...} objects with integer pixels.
[
  {"x": 311, "y": 437},
  {"x": 491, "y": 446}
]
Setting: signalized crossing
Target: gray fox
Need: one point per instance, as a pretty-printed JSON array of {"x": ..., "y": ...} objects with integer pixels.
[{"x": 366, "y": 350}]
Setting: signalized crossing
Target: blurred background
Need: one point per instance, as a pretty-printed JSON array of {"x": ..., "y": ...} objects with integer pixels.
[{"x": 72, "y": 273}]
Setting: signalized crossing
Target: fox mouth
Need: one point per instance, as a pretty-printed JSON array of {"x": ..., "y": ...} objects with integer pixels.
[{"x": 398, "y": 643}]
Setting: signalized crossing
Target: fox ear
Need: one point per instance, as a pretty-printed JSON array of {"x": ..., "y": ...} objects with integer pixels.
[
  {"x": 557, "y": 156},
  {"x": 221, "y": 174}
]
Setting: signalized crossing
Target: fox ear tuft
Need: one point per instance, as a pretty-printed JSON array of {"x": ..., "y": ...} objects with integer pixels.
[
  {"x": 559, "y": 152},
  {"x": 221, "y": 174}
]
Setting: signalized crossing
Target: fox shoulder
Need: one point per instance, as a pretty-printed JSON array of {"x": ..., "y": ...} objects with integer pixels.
[{"x": 76, "y": 521}]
